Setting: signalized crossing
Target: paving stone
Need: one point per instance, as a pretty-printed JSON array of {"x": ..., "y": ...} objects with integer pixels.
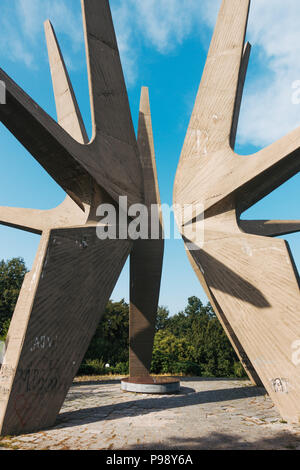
[{"x": 207, "y": 414}]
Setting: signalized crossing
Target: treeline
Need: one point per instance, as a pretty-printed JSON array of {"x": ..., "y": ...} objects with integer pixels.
[
  {"x": 12, "y": 274},
  {"x": 192, "y": 342}
]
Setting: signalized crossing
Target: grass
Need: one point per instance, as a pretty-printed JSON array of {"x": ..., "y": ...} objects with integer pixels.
[{"x": 88, "y": 378}]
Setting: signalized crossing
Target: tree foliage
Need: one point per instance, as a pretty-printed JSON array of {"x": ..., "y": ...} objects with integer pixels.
[
  {"x": 191, "y": 342},
  {"x": 162, "y": 318},
  {"x": 111, "y": 340},
  {"x": 194, "y": 339},
  {"x": 12, "y": 274}
]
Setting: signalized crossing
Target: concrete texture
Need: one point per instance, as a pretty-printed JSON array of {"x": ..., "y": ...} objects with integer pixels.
[
  {"x": 146, "y": 258},
  {"x": 250, "y": 279},
  {"x": 74, "y": 273},
  {"x": 207, "y": 414}
]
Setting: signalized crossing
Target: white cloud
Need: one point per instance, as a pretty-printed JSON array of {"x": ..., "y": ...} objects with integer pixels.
[
  {"x": 163, "y": 25},
  {"x": 33, "y": 13},
  {"x": 124, "y": 27},
  {"x": 12, "y": 45},
  {"x": 21, "y": 26},
  {"x": 268, "y": 112},
  {"x": 160, "y": 24}
]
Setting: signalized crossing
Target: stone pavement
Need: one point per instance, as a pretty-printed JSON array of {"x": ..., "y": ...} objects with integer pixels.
[{"x": 206, "y": 414}]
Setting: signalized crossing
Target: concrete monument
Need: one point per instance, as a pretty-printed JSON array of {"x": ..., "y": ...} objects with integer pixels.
[
  {"x": 74, "y": 273},
  {"x": 249, "y": 277}
]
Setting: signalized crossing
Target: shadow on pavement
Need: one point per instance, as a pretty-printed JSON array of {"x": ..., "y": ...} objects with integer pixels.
[{"x": 186, "y": 397}]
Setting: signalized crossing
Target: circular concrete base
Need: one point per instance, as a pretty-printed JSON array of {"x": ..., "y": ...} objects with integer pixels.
[{"x": 151, "y": 385}]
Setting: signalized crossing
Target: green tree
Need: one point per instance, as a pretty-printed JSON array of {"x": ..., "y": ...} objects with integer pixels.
[
  {"x": 162, "y": 319},
  {"x": 169, "y": 350},
  {"x": 192, "y": 341},
  {"x": 206, "y": 343},
  {"x": 111, "y": 340},
  {"x": 12, "y": 274}
]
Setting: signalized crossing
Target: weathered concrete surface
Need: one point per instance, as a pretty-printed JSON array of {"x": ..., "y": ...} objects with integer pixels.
[
  {"x": 151, "y": 385},
  {"x": 250, "y": 279},
  {"x": 75, "y": 271},
  {"x": 207, "y": 414}
]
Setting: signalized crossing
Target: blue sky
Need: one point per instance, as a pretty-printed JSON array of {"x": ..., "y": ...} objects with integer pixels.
[{"x": 163, "y": 45}]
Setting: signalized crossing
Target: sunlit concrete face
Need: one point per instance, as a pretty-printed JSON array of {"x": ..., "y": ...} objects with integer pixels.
[{"x": 250, "y": 278}]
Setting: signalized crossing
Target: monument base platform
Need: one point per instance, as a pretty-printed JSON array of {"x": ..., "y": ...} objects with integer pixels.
[{"x": 151, "y": 385}]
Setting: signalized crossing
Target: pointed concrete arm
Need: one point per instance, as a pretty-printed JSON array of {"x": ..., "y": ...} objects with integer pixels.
[
  {"x": 45, "y": 139},
  {"x": 106, "y": 80},
  {"x": 146, "y": 258},
  {"x": 269, "y": 168},
  {"x": 219, "y": 98},
  {"x": 209, "y": 170},
  {"x": 146, "y": 148},
  {"x": 29, "y": 220},
  {"x": 217, "y": 95},
  {"x": 69, "y": 117},
  {"x": 67, "y": 214},
  {"x": 239, "y": 96},
  {"x": 68, "y": 113},
  {"x": 112, "y": 158},
  {"x": 270, "y": 228}
]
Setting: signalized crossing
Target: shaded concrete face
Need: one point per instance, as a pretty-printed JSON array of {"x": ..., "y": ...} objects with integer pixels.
[
  {"x": 146, "y": 257},
  {"x": 250, "y": 278},
  {"x": 74, "y": 273}
]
